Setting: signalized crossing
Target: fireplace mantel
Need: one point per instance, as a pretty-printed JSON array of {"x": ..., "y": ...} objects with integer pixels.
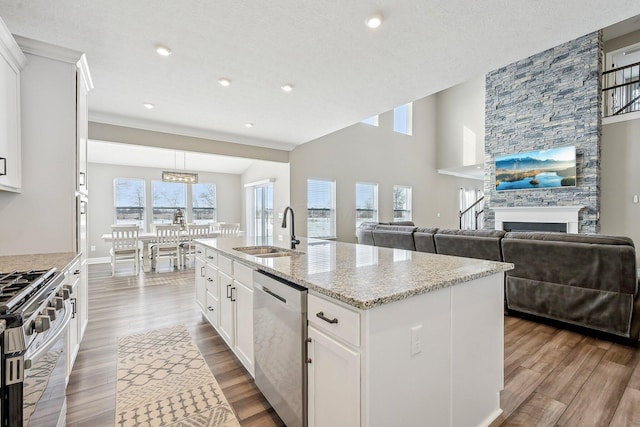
[{"x": 558, "y": 214}]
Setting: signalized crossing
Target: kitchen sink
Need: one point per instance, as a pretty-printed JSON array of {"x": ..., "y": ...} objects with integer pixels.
[{"x": 266, "y": 251}]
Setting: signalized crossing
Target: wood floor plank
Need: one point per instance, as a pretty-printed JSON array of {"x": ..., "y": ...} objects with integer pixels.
[
  {"x": 538, "y": 410},
  {"x": 527, "y": 345},
  {"x": 596, "y": 402},
  {"x": 517, "y": 388},
  {"x": 627, "y": 413},
  {"x": 568, "y": 377},
  {"x": 552, "y": 352}
]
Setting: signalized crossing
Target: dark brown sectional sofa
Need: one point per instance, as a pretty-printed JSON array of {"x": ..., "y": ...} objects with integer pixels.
[{"x": 588, "y": 280}]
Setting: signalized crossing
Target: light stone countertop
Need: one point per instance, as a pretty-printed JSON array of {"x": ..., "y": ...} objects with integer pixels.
[
  {"x": 360, "y": 275},
  {"x": 59, "y": 260}
]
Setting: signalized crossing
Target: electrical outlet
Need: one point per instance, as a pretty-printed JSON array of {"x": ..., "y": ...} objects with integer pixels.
[
  {"x": 280, "y": 238},
  {"x": 416, "y": 339},
  {"x": 93, "y": 248}
]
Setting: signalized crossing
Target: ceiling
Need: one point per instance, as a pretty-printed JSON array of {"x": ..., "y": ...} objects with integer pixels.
[
  {"x": 342, "y": 71},
  {"x": 162, "y": 158}
]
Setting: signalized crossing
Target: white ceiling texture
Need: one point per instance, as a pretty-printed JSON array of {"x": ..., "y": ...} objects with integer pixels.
[{"x": 341, "y": 71}]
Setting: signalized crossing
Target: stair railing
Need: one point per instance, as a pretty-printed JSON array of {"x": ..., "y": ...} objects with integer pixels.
[
  {"x": 623, "y": 97},
  {"x": 461, "y": 214}
]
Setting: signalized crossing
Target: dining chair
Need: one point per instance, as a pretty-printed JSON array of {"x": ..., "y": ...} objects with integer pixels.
[
  {"x": 188, "y": 248},
  {"x": 167, "y": 245},
  {"x": 124, "y": 246},
  {"x": 229, "y": 228}
]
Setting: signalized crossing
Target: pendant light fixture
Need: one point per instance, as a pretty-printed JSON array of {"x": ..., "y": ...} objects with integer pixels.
[{"x": 180, "y": 176}]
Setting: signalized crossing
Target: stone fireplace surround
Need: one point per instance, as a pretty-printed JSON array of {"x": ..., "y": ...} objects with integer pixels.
[{"x": 542, "y": 214}]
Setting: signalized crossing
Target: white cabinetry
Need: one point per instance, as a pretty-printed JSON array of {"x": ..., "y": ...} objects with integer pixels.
[
  {"x": 333, "y": 382},
  {"x": 227, "y": 308},
  {"x": 201, "y": 282},
  {"x": 73, "y": 283},
  {"x": 433, "y": 359},
  {"x": 12, "y": 61},
  {"x": 224, "y": 293}
]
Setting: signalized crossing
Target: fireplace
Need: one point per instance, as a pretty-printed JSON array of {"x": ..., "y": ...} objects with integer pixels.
[
  {"x": 538, "y": 218},
  {"x": 534, "y": 226}
]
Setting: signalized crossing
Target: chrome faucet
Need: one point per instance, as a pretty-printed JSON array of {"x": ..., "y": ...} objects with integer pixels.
[{"x": 294, "y": 241}]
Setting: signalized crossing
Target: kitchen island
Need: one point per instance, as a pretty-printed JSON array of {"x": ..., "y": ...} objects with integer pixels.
[{"x": 396, "y": 337}]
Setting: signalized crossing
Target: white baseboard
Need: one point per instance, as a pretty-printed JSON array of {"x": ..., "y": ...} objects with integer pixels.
[{"x": 100, "y": 260}]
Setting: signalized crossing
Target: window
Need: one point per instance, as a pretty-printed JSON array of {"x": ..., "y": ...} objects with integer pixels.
[
  {"x": 260, "y": 209},
  {"x": 366, "y": 203},
  {"x": 403, "y": 119},
  {"x": 321, "y": 208},
  {"x": 129, "y": 197},
  {"x": 167, "y": 197},
  {"x": 203, "y": 203},
  {"x": 401, "y": 203},
  {"x": 373, "y": 121}
]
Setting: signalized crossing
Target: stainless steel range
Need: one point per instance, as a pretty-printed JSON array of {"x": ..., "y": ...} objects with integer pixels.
[{"x": 35, "y": 311}]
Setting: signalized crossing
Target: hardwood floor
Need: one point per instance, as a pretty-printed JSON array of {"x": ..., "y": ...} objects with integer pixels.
[
  {"x": 553, "y": 377},
  {"x": 126, "y": 305}
]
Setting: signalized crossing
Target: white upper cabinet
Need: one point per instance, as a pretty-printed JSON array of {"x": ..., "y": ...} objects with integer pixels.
[{"x": 12, "y": 60}]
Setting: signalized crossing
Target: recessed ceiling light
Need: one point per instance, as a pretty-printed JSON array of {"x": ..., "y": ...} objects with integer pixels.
[
  {"x": 287, "y": 87},
  {"x": 163, "y": 50},
  {"x": 148, "y": 106},
  {"x": 374, "y": 21},
  {"x": 248, "y": 125},
  {"x": 224, "y": 82}
]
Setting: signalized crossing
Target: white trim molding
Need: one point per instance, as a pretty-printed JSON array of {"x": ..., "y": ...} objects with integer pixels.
[{"x": 555, "y": 214}]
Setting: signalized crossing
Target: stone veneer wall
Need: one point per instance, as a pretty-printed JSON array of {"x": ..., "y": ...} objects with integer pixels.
[{"x": 548, "y": 100}]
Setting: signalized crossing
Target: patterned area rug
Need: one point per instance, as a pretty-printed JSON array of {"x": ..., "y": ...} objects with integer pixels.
[{"x": 164, "y": 381}]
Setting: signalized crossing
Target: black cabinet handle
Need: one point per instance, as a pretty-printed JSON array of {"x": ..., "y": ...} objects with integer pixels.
[
  {"x": 76, "y": 272},
  {"x": 228, "y": 291},
  {"x": 4, "y": 167},
  {"x": 326, "y": 319},
  {"x": 232, "y": 297},
  {"x": 201, "y": 271},
  {"x": 209, "y": 279}
]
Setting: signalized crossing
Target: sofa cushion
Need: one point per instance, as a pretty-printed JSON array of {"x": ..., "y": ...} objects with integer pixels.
[
  {"x": 364, "y": 233},
  {"x": 605, "y": 263},
  {"x": 423, "y": 239},
  {"x": 482, "y": 244},
  {"x": 394, "y": 236}
]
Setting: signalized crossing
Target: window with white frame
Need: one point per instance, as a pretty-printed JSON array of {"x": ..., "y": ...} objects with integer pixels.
[
  {"x": 321, "y": 208},
  {"x": 403, "y": 119},
  {"x": 366, "y": 202},
  {"x": 401, "y": 203},
  {"x": 130, "y": 201},
  {"x": 203, "y": 203},
  {"x": 166, "y": 198}
]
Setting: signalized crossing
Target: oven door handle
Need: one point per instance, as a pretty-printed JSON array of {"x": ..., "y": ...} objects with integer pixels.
[{"x": 60, "y": 328}]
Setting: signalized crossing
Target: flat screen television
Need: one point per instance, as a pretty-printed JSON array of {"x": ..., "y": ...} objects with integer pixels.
[{"x": 552, "y": 168}]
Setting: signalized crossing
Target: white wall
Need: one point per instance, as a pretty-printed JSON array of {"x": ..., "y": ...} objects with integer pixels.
[
  {"x": 460, "y": 124},
  {"x": 279, "y": 172},
  {"x": 620, "y": 180},
  {"x": 364, "y": 153},
  {"x": 41, "y": 219},
  {"x": 101, "y": 211}
]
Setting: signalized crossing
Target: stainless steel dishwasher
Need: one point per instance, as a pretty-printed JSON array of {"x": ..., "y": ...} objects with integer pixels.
[{"x": 279, "y": 335}]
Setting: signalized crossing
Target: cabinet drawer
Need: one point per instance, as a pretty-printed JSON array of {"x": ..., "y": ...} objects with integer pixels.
[
  {"x": 346, "y": 325},
  {"x": 212, "y": 308},
  {"x": 211, "y": 275},
  {"x": 243, "y": 274},
  {"x": 211, "y": 256},
  {"x": 225, "y": 264},
  {"x": 200, "y": 251}
]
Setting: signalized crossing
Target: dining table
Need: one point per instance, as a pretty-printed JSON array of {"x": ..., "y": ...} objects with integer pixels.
[{"x": 147, "y": 238}]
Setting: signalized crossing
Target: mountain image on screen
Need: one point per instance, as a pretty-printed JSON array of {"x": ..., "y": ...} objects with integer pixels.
[{"x": 538, "y": 169}]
